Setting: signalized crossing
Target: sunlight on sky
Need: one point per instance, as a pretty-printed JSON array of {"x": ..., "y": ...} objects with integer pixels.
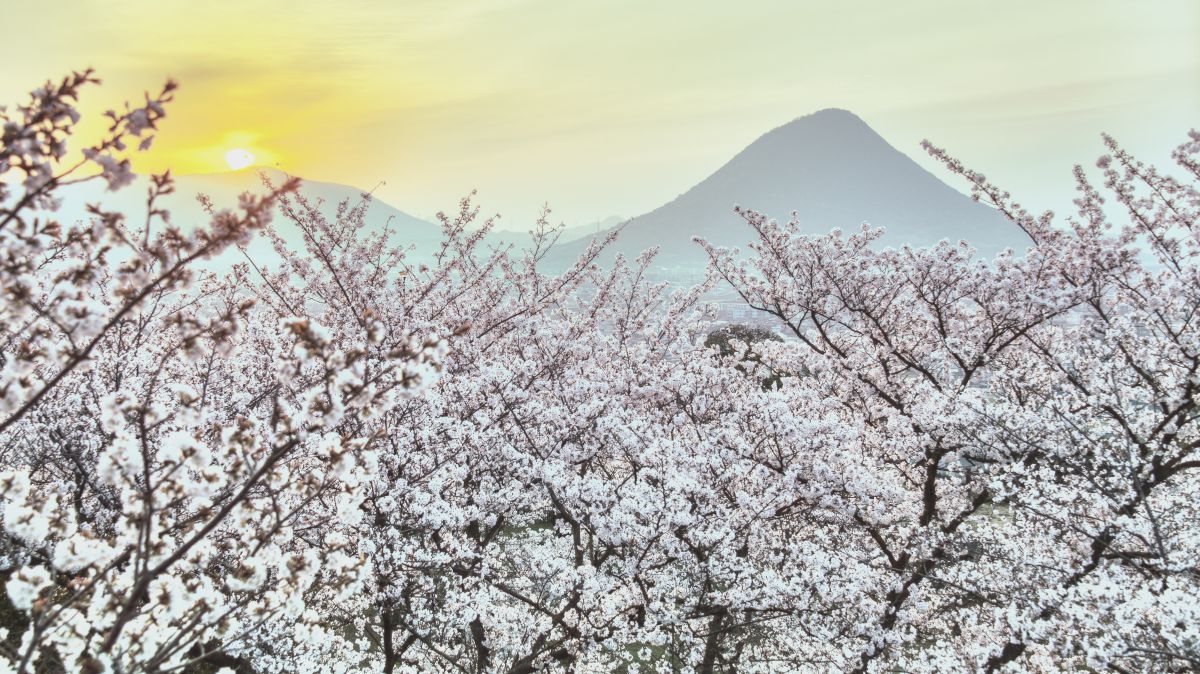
[
  {"x": 614, "y": 108},
  {"x": 239, "y": 158}
]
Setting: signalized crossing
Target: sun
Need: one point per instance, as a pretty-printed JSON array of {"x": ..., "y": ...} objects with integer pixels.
[{"x": 239, "y": 158}]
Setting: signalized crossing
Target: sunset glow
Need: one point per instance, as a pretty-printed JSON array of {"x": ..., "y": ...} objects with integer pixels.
[
  {"x": 609, "y": 109},
  {"x": 239, "y": 158}
]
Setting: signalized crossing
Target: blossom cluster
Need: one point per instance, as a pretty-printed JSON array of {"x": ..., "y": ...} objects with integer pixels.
[{"x": 358, "y": 459}]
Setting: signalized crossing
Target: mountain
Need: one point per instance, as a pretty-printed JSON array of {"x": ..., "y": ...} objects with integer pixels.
[
  {"x": 590, "y": 230},
  {"x": 831, "y": 168},
  {"x": 224, "y": 188}
]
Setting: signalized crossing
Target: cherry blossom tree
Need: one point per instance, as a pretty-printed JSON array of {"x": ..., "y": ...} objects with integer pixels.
[
  {"x": 1022, "y": 486},
  {"x": 151, "y": 506},
  {"x": 354, "y": 457}
]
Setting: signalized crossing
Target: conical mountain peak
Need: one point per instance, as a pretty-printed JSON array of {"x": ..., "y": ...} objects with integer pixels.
[{"x": 835, "y": 171}]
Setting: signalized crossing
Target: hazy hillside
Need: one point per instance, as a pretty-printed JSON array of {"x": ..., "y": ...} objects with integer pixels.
[
  {"x": 836, "y": 172},
  {"x": 223, "y": 188},
  {"x": 589, "y": 230},
  {"x": 829, "y": 166}
]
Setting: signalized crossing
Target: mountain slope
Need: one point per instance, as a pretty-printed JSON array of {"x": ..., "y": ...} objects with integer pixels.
[
  {"x": 835, "y": 171},
  {"x": 224, "y": 188}
]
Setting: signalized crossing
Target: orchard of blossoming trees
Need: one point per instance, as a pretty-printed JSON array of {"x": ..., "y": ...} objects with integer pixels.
[{"x": 352, "y": 462}]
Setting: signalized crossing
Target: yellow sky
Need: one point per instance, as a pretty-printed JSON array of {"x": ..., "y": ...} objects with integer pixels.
[{"x": 615, "y": 107}]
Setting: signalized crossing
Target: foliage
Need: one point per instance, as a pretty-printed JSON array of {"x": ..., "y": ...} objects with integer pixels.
[{"x": 739, "y": 340}]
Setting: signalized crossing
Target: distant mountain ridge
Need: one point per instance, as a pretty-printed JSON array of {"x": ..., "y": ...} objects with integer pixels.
[
  {"x": 830, "y": 167},
  {"x": 834, "y": 171},
  {"x": 223, "y": 189},
  {"x": 590, "y": 230}
]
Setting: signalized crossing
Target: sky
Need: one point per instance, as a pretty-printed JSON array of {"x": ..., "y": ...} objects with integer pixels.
[{"x": 615, "y": 107}]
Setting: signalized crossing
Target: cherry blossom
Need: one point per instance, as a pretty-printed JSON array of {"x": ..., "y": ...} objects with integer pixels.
[{"x": 352, "y": 457}]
